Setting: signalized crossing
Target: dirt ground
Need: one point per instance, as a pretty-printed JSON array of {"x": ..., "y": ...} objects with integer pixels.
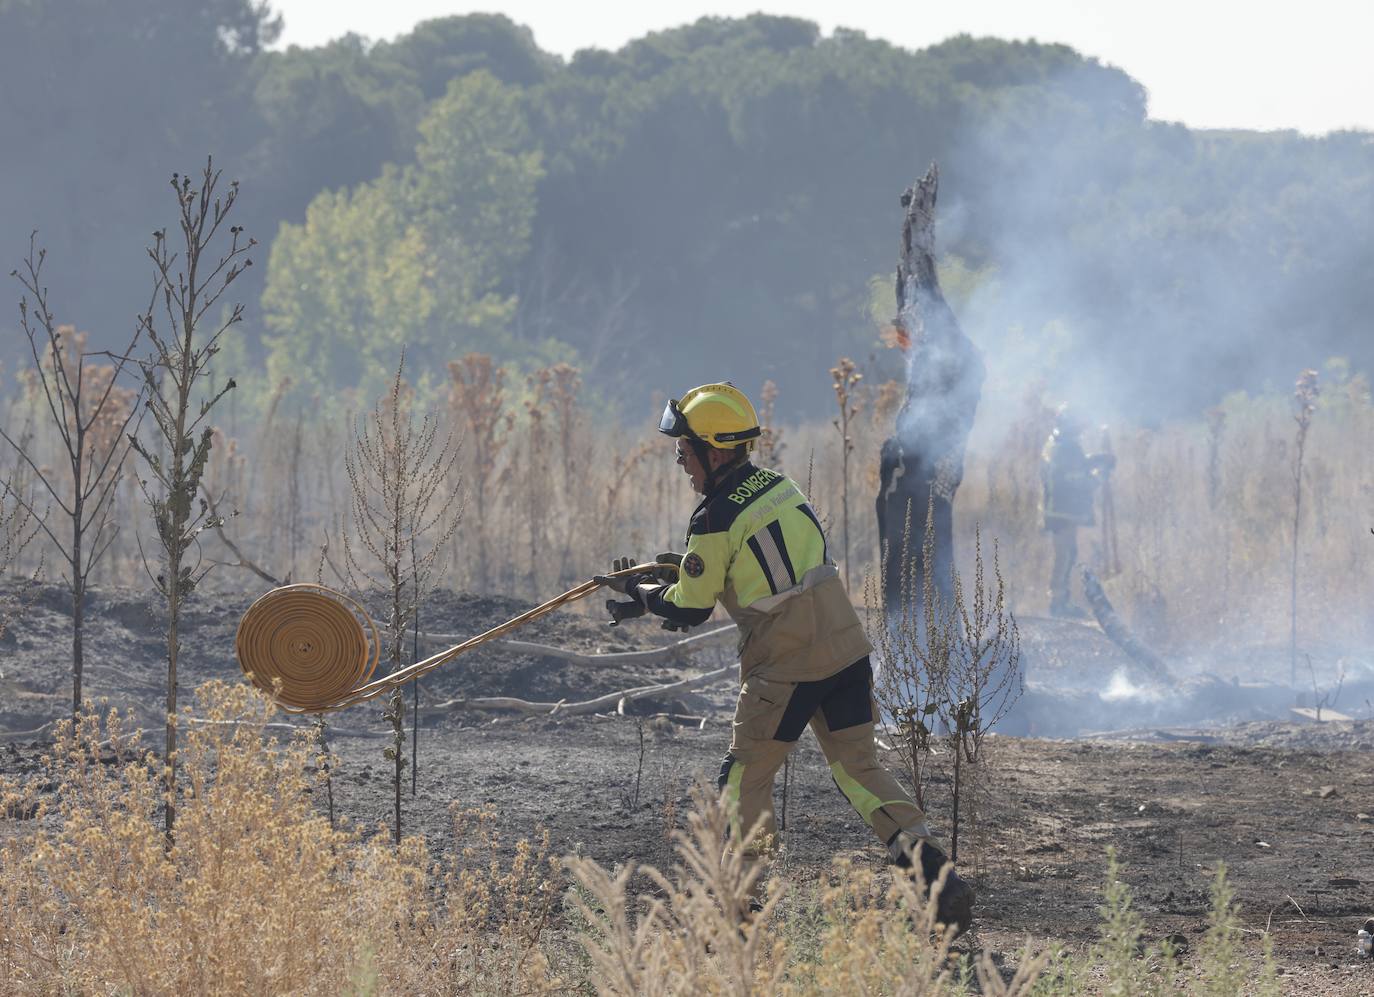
[{"x": 1286, "y": 807}]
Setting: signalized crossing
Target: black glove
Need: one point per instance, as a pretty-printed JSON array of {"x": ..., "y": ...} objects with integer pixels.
[
  {"x": 672, "y": 563},
  {"x": 668, "y": 574},
  {"x": 624, "y": 584},
  {"x": 622, "y": 611}
]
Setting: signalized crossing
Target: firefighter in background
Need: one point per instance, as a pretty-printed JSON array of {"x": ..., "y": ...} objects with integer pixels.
[
  {"x": 1070, "y": 477},
  {"x": 755, "y": 545}
]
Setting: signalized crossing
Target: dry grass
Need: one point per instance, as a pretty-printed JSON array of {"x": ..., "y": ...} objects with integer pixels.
[
  {"x": 248, "y": 898},
  {"x": 1205, "y": 519},
  {"x": 1203, "y": 506},
  {"x": 259, "y": 895}
]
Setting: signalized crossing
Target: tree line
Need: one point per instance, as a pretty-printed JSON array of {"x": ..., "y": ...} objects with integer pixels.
[{"x": 718, "y": 197}]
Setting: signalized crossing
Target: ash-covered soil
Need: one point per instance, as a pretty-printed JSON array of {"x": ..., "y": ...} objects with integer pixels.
[{"x": 1288, "y": 808}]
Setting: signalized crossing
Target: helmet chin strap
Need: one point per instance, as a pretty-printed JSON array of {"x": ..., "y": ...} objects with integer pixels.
[
  {"x": 713, "y": 475},
  {"x": 703, "y": 451}
]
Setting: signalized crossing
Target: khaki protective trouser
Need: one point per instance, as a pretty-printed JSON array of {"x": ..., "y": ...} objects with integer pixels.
[
  {"x": 1065, "y": 537},
  {"x": 769, "y": 718}
]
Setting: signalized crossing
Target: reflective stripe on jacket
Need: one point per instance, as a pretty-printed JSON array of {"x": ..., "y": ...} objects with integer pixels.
[{"x": 755, "y": 546}]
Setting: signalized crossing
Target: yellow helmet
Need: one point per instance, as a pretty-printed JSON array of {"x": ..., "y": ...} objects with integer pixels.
[{"x": 718, "y": 415}]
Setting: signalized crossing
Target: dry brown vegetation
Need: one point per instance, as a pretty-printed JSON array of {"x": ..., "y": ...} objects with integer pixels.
[
  {"x": 93, "y": 899},
  {"x": 260, "y": 894},
  {"x": 1203, "y": 508}
]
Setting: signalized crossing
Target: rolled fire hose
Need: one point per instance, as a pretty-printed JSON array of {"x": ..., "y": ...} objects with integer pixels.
[{"x": 313, "y": 649}]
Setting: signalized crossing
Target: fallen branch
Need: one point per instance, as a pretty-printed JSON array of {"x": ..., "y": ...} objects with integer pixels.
[
  {"x": 1115, "y": 628},
  {"x": 613, "y": 700},
  {"x": 680, "y": 719},
  {"x": 244, "y": 562},
  {"x": 333, "y": 731},
  {"x": 675, "y": 651},
  {"x": 27, "y": 735}
]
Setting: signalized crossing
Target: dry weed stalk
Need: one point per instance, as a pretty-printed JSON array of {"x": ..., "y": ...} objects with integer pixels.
[
  {"x": 91, "y": 414},
  {"x": 401, "y": 521},
  {"x": 188, "y": 283},
  {"x": 1215, "y": 419},
  {"x": 534, "y": 497},
  {"x": 259, "y": 894},
  {"x": 621, "y": 473},
  {"x": 913, "y": 644},
  {"x": 1171, "y": 497},
  {"x": 476, "y": 401},
  {"x": 770, "y": 443},
  {"x": 562, "y": 395},
  {"x": 1305, "y": 393},
  {"x": 949, "y": 671},
  {"x": 985, "y": 679},
  {"x": 690, "y": 938},
  {"x": 564, "y": 383},
  {"x": 877, "y": 937},
  {"x": 846, "y": 377},
  {"x": 18, "y": 528},
  {"x": 508, "y": 903}
]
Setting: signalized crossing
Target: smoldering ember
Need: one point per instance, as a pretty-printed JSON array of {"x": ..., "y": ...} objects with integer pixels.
[{"x": 752, "y": 511}]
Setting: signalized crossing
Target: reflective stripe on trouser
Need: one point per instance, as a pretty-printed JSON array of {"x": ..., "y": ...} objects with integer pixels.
[{"x": 770, "y": 716}]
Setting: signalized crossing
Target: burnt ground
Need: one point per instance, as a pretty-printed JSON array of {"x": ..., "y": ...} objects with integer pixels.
[{"x": 1286, "y": 807}]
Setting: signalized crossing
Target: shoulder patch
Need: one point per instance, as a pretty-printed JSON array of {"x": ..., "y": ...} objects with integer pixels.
[{"x": 693, "y": 565}]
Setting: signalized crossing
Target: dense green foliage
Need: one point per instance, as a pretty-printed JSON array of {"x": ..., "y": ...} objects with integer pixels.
[
  {"x": 715, "y": 199},
  {"x": 414, "y": 259}
]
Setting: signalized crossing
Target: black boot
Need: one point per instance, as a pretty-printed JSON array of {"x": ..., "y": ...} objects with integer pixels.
[{"x": 955, "y": 902}]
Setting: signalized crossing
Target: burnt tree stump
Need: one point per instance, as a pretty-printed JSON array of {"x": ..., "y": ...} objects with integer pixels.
[{"x": 922, "y": 462}]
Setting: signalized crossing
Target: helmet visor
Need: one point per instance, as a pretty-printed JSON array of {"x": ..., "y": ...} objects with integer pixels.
[{"x": 673, "y": 422}]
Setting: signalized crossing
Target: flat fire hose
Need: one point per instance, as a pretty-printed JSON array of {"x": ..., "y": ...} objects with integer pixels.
[{"x": 313, "y": 649}]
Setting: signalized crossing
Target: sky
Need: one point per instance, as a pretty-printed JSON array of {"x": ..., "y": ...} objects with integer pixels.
[{"x": 1206, "y": 63}]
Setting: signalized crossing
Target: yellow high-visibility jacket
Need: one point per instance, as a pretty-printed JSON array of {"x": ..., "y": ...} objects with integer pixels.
[{"x": 755, "y": 546}]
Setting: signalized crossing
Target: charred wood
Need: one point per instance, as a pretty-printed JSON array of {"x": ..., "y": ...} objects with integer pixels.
[
  {"x": 922, "y": 463},
  {"x": 1115, "y": 628}
]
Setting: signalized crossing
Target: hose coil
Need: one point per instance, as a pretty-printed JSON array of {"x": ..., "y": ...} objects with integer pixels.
[
  {"x": 313, "y": 649},
  {"x": 307, "y": 646}
]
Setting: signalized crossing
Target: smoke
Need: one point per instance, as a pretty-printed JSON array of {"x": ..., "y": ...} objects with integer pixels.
[
  {"x": 1141, "y": 271},
  {"x": 1120, "y": 688}
]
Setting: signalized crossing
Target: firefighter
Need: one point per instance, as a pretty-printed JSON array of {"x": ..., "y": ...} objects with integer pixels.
[
  {"x": 756, "y": 546},
  {"x": 1069, "y": 476}
]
